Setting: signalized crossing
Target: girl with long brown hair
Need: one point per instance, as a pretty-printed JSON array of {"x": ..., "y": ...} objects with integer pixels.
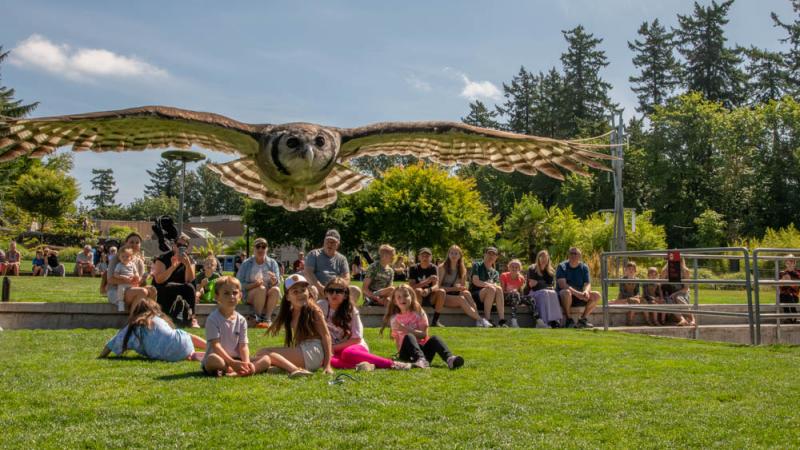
[
  {"x": 150, "y": 333},
  {"x": 350, "y": 350},
  {"x": 307, "y": 340},
  {"x": 453, "y": 279}
]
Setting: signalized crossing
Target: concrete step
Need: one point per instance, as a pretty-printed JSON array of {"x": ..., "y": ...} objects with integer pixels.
[
  {"x": 735, "y": 334},
  {"x": 104, "y": 315}
]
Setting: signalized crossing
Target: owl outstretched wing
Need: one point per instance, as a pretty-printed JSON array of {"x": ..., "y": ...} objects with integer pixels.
[
  {"x": 451, "y": 143},
  {"x": 127, "y": 129}
]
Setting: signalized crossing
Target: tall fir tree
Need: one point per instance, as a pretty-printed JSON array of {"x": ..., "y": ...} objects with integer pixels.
[
  {"x": 711, "y": 67},
  {"x": 659, "y": 71},
  {"x": 766, "y": 78},
  {"x": 481, "y": 116},
  {"x": 791, "y": 57},
  {"x": 10, "y": 107},
  {"x": 210, "y": 197},
  {"x": 106, "y": 187},
  {"x": 165, "y": 180},
  {"x": 585, "y": 93}
]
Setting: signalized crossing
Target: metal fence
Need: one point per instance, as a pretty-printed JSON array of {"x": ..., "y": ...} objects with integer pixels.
[
  {"x": 693, "y": 255},
  {"x": 778, "y": 315}
]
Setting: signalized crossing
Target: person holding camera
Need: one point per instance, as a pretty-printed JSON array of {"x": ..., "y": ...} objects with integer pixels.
[
  {"x": 173, "y": 273},
  {"x": 260, "y": 277}
]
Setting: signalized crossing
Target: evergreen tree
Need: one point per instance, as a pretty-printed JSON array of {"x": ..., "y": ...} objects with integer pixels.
[
  {"x": 711, "y": 68},
  {"x": 586, "y": 98},
  {"x": 480, "y": 116},
  {"x": 106, "y": 187},
  {"x": 521, "y": 100},
  {"x": 9, "y": 107},
  {"x": 209, "y": 196},
  {"x": 791, "y": 58},
  {"x": 766, "y": 77},
  {"x": 659, "y": 72},
  {"x": 165, "y": 180}
]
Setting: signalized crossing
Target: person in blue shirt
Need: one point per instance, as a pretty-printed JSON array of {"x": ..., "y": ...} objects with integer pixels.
[
  {"x": 575, "y": 289},
  {"x": 260, "y": 277}
]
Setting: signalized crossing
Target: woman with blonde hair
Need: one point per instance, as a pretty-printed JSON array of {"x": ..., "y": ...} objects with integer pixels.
[
  {"x": 539, "y": 286},
  {"x": 453, "y": 279}
]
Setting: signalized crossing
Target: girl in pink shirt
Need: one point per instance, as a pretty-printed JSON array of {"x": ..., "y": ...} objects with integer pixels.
[
  {"x": 512, "y": 283},
  {"x": 409, "y": 325}
]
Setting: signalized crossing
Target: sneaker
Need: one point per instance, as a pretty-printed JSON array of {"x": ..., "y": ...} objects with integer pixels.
[
  {"x": 540, "y": 324},
  {"x": 454, "y": 362},
  {"x": 365, "y": 367},
  {"x": 569, "y": 323},
  {"x": 583, "y": 323},
  {"x": 491, "y": 324},
  {"x": 421, "y": 363},
  {"x": 300, "y": 373},
  {"x": 514, "y": 323},
  {"x": 479, "y": 323},
  {"x": 554, "y": 324},
  {"x": 262, "y": 324},
  {"x": 502, "y": 323},
  {"x": 400, "y": 365},
  {"x": 438, "y": 324}
]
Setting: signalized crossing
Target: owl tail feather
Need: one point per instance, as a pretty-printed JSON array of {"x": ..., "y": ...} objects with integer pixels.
[{"x": 243, "y": 176}]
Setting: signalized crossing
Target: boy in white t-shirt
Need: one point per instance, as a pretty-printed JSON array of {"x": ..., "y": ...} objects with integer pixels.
[{"x": 227, "y": 352}]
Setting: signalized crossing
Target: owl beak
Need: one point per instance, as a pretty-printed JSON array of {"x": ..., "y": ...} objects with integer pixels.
[{"x": 308, "y": 154}]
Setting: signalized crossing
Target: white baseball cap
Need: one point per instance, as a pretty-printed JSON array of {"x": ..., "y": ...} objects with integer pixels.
[{"x": 291, "y": 280}]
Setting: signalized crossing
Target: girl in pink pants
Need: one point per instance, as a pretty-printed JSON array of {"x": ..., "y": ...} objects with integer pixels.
[{"x": 344, "y": 323}]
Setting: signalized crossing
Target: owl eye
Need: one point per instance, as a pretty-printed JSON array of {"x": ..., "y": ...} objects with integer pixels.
[
  {"x": 292, "y": 142},
  {"x": 319, "y": 141}
]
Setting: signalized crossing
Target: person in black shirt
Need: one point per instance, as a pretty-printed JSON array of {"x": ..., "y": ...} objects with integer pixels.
[
  {"x": 173, "y": 275},
  {"x": 54, "y": 267},
  {"x": 424, "y": 279}
]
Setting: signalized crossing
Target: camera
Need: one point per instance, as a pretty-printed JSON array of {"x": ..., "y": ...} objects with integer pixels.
[{"x": 182, "y": 250}]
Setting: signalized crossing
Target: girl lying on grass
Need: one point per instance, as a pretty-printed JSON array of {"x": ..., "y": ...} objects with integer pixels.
[
  {"x": 150, "y": 333},
  {"x": 307, "y": 340},
  {"x": 344, "y": 324},
  {"x": 226, "y": 335},
  {"x": 409, "y": 325}
]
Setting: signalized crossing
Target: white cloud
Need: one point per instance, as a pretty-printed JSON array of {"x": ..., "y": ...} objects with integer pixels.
[
  {"x": 479, "y": 89},
  {"x": 418, "y": 83},
  {"x": 39, "y": 53}
]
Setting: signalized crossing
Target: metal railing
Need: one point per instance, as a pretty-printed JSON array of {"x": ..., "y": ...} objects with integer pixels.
[
  {"x": 778, "y": 314},
  {"x": 693, "y": 254}
]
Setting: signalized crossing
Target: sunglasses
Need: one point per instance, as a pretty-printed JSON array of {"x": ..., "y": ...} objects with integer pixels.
[
  {"x": 335, "y": 291},
  {"x": 261, "y": 246}
]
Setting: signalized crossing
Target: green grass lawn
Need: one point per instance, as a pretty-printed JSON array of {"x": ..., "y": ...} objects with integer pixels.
[{"x": 520, "y": 388}]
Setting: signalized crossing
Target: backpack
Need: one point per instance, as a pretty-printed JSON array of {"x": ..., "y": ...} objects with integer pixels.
[{"x": 180, "y": 311}]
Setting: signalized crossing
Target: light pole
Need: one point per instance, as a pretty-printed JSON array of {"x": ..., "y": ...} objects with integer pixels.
[{"x": 183, "y": 156}]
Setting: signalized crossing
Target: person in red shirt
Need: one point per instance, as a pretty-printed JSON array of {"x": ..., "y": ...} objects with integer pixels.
[{"x": 299, "y": 265}]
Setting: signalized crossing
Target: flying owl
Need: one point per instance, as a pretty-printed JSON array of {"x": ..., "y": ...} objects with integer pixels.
[{"x": 294, "y": 165}]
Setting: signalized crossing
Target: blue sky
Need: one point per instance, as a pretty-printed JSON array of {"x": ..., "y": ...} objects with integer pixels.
[{"x": 336, "y": 63}]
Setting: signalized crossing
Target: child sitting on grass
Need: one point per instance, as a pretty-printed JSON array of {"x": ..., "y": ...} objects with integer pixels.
[
  {"x": 651, "y": 293},
  {"x": 150, "y": 333},
  {"x": 629, "y": 292},
  {"x": 350, "y": 350},
  {"x": 307, "y": 341},
  {"x": 409, "y": 325},
  {"x": 226, "y": 335}
]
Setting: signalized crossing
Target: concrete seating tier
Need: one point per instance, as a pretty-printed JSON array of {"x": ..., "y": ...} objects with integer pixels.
[{"x": 103, "y": 315}]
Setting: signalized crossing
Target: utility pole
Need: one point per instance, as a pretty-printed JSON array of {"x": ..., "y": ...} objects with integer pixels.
[{"x": 617, "y": 149}]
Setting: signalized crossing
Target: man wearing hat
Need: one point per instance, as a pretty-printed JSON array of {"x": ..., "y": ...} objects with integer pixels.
[
  {"x": 424, "y": 279},
  {"x": 325, "y": 263},
  {"x": 260, "y": 279},
  {"x": 173, "y": 275},
  {"x": 485, "y": 286}
]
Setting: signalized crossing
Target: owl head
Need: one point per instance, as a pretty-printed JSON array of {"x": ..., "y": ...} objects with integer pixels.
[{"x": 298, "y": 154}]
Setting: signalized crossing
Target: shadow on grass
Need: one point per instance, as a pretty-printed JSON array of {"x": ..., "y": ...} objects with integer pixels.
[
  {"x": 182, "y": 376},
  {"x": 130, "y": 358}
]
